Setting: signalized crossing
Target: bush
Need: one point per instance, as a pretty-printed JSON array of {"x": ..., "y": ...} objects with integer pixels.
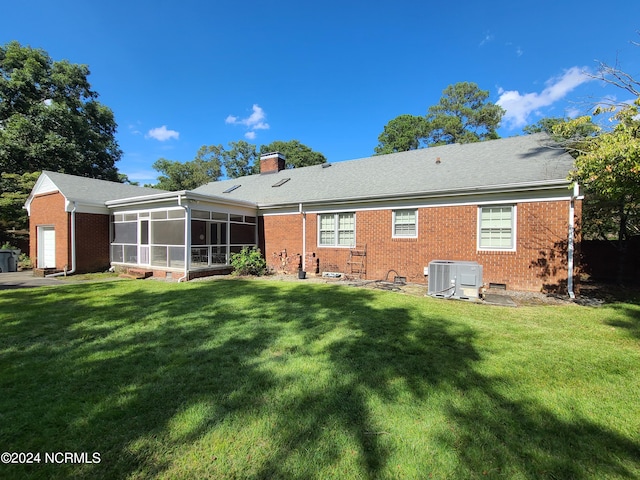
[
  {"x": 249, "y": 262},
  {"x": 25, "y": 261}
]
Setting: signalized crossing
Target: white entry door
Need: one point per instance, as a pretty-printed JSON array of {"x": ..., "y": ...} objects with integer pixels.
[{"x": 46, "y": 247}]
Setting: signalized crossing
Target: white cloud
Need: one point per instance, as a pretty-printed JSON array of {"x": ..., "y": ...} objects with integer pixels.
[
  {"x": 143, "y": 176},
  {"x": 253, "y": 122},
  {"x": 487, "y": 39},
  {"x": 133, "y": 129},
  {"x": 519, "y": 107},
  {"x": 162, "y": 134}
]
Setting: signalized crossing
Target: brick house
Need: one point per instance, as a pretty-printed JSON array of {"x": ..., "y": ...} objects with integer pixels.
[
  {"x": 69, "y": 221},
  {"x": 506, "y": 204}
]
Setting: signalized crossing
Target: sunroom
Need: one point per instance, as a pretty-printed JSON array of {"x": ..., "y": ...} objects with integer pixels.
[{"x": 181, "y": 233}]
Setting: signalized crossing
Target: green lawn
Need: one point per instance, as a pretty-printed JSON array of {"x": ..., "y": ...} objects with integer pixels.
[{"x": 266, "y": 379}]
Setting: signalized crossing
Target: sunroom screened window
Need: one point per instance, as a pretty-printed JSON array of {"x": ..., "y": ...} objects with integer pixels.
[
  {"x": 404, "y": 223},
  {"x": 337, "y": 229},
  {"x": 496, "y": 227}
]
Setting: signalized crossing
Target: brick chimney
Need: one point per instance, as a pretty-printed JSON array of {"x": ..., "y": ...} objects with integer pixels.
[{"x": 272, "y": 162}]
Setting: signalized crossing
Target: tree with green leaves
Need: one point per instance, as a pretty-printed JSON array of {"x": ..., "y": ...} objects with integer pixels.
[
  {"x": 296, "y": 154},
  {"x": 240, "y": 159},
  {"x": 14, "y": 191},
  {"x": 549, "y": 126},
  {"x": 50, "y": 118},
  {"x": 608, "y": 167},
  {"x": 463, "y": 115},
  {"x": 544, "y": 125},
  {"x": 608, "y": 164},
  {"x": 403, "y": 133},
  {"x": 204, "y": 168}
]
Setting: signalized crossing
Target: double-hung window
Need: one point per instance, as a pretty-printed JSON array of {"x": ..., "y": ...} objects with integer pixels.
[
  {"x": 496, "y": 227},
  {"x": 405, "y": 223},
  {"x": 337, "y": 229}
]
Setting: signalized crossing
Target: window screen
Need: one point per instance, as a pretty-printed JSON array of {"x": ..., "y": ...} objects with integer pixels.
[
  {"x": 404, "y": 223},
  {"x": 496, "y": 227}
]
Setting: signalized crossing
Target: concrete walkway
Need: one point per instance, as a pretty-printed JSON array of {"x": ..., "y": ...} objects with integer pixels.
[{"x": 24, "y": 279}]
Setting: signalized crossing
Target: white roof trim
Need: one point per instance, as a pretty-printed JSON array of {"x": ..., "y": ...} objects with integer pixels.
[
  {"x": 183, "y": 194},
  {"x": 514, "y": 187},
  {"x": 43, "y": 185}
]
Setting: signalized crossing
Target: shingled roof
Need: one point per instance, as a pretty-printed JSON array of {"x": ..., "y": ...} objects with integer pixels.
[
  {"x": 515, "y": 162},
  {"x": 91, "y": 190},
  {"x": 86, "y": 191}
]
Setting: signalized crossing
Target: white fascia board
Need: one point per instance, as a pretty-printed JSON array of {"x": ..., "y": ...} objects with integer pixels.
[
  {"x": 217, "y": 200},
  {"x": 43, "y": 185},
  {"x": 82, "y": 206},
  {"x": 538, "y": 193},
  {"x": 141, "y": 199},
  {"x": 183, "y": 195},
  {"x": 515, "y": 187},
  {"x": 281, "y": 211}
]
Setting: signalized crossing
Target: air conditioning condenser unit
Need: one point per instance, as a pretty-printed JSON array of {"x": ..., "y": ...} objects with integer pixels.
[{"x": 454, "y": 279}]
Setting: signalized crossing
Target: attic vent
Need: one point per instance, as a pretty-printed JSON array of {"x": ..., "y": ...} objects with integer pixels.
[
  {"x": 326, "y": 165},
  {"x": 231, "y": 189},
  {"x": 281, "y": 182}
]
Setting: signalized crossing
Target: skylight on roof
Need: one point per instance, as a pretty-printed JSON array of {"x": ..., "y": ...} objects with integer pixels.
[
  {"x": 281, "y": 182},
  {"x": 231, "y": 189}
]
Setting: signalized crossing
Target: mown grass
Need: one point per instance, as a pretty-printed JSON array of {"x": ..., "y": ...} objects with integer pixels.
[{"x": 264, "y": 379}]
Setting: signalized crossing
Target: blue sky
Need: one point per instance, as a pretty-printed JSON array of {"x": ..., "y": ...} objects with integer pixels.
[{"x": 331, "y": 74}]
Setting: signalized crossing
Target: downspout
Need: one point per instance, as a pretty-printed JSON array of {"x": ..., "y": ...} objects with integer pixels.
[
  {"x": 570, "y": 241},
  {"x": 187, "y": 240},
  {"x": 73, "y": 246},
  {"x": 304, "y": 237}
]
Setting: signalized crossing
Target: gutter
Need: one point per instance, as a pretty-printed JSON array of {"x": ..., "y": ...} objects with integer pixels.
[
  {"x": 73, "y": 246},
  {"x": 163, "y": 197},
  {"x": 304, "y": 237},
  {"x": 506, "y": 188},
  {"x": 570, "y": 241}
]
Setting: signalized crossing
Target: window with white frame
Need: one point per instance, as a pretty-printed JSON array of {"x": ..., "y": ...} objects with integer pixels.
[
  {"x": 496, "y": 227},
  {"x": 337, "y": 229},
  {"x": 405, "y": 223}
]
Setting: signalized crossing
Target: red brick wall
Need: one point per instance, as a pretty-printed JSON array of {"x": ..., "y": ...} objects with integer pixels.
[
  {"x": 92, "y": 234},
  {"x": 283, "y": 242},
  {"x": 92, "y": 242},
  {"x": 48, "y": 210},
  {"x": 272, "y": 164},
  {"x": 444, "y": 233}
]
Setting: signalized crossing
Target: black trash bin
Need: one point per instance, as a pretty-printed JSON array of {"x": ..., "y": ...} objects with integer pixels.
[{"x": 9, "y": 260}]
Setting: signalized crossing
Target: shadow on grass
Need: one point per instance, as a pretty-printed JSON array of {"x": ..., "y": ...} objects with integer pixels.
[
  {"x": 630, "y": 318},
  {"x": 140, "y": 373}
]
